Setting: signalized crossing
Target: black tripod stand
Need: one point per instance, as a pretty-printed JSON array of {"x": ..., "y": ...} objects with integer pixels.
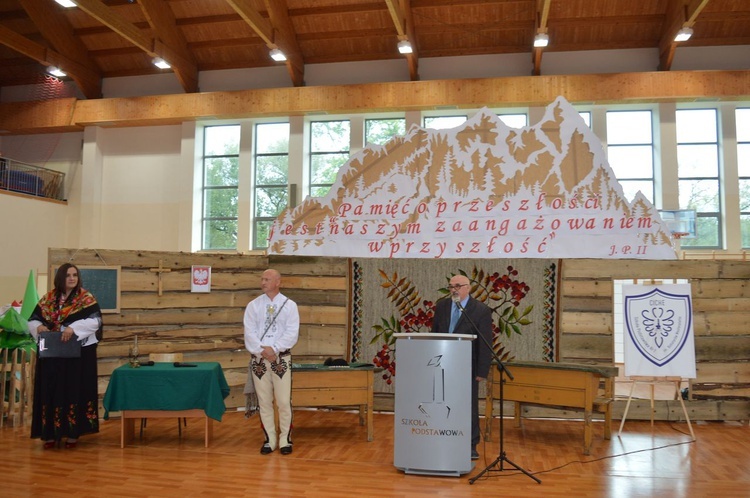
[{"x": 501, "y": 459}]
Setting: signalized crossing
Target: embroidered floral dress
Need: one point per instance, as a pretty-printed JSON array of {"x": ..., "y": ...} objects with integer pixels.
[{"x": 66, "y": 399}]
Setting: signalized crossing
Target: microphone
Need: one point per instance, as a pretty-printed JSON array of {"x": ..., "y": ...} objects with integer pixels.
[
  {"x": 149, "y": 363},
  {"x": 180, "y": 364},
  {"x": 457, "y": 300}
]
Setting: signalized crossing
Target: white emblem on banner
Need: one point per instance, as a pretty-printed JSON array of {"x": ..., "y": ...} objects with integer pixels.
[{"x": 659, "y": 330}]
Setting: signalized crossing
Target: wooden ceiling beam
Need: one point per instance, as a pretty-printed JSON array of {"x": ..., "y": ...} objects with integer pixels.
[
  {"x": 87, "y": 79},
  {"x": 276, "y": 32},
  {"x": 278, "y": 13},
  {"x": 680, "y": 14},
  {"x": 58, "y": 32},
  {"x": 401, "y": 14},
  {"x": 59, "y": 115},
  {"x": 150, "y": 45},
  {"x": 254, "y": 19},
  {"x": 162, "y": 21},
  {"x": 542, "y": 15}
]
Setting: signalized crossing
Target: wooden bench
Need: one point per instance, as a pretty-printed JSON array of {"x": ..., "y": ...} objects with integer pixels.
[
  {"x": 561, "y": 385},
  {"x": 321, "y": 387}
]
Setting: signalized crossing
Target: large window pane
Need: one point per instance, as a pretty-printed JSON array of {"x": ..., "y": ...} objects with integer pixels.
[
  {"x": 272, "y": 170},
  {"x": 379, "y": 131},
  {"x": 514, "y": 120},
  {"x": 261, "y": 231},
  {"x": 743, "y": 124},
  {"x": 323, "y": 167},
  {"x": 698, "y": 171},
  {"x": 220, "y": 234},
  {"x": 220, "y": 203},
  {"x": 706, "y": 233},
  {"x": 695, "y": 126},
  {"x": 630, "y": 151},
  {"x": 629, "y": 127},
  {"x": 221, "y": 140},
  {"x": 743, "y": 170},
  {"x": 329, "y": 136},
  {"x": 221, "y": 171},
  {"x": 698, "y": 161},
  {"x": 743, "y": 159},
  {"x": 745, "y": 224},
  {"x": 271, "y": 179},
  {"x": 221, "y": 145},
  {"x": 329, "y": 150},
  {"x": 631, "y": 161},
  {"x": 272, "y": 138},
  {"x": 745, "y": 195},
  {"x": 632, "y": 187},
  {"x": 701, "y": 195},
  {"x": 443, "y": 122}
]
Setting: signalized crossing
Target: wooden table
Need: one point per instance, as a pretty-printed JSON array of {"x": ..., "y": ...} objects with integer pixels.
[
  {"x": 163, "y": 390},
  {"x": 562, "y": 385},
  {"x": 320, "y": 386}
]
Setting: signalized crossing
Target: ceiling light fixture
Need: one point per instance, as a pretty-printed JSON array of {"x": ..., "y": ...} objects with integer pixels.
[
  {"x": 55, "y": 71},
  {"x": 541, "y": 40},
  {"x": 161, "y": 63},
  {"x": 404, "y": 47},
  {"x": 66, "y": 3},
  {"x": 277, "y": 55},
  {"x": 684, "y": 34}
]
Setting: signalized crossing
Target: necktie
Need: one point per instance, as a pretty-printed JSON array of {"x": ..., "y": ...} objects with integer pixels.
[{"x": 454, "y": 318}]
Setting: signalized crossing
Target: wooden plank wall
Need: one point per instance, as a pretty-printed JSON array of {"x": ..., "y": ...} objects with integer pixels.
[
  {"x": 721, "y": 312},
  {"x": 208, "y": 327}
]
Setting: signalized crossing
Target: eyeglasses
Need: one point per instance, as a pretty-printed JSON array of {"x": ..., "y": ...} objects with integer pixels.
[{"x": 456, "y": 287}]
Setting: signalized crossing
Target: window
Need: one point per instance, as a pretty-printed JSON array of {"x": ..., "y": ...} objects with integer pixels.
[
  {"x": 698, "y": 173},
  {"x": 271, "y": 185},
  {"x": 586, "y": 116},
  {"x": 221, "y": 148},
  {"x": 329, "y": 150},
  {"x": 513, "y": 120},
  {"x": 379, "y": 131},
  {"x": 443, "y": 122},
  {"x": 630, "y": 151},
  {"x": 743, "y": 167}
]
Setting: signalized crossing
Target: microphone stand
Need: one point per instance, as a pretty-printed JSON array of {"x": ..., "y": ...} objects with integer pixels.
[{"x": 501, "y": 459}]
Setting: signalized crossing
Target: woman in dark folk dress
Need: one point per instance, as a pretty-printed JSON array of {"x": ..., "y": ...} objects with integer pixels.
[{"x": 66, "y": 400}]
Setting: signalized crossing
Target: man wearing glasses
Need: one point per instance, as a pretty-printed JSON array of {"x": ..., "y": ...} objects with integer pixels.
[{"x": 459, "y": 315}]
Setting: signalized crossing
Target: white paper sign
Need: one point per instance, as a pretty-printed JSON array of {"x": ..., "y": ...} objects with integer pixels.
[
  {"x": 200, "y": 278},
  {"x": 658, "y": 335}
]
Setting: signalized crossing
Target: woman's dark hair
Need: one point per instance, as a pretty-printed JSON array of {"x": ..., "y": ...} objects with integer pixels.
[{"x": 61, "y": 274}]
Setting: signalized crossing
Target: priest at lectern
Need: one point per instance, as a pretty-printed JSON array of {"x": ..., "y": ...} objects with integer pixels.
[{"x": 462, "y": 314}]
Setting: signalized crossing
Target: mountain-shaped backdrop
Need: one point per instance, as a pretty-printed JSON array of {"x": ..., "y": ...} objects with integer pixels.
[{"x": 480, "y": 190}]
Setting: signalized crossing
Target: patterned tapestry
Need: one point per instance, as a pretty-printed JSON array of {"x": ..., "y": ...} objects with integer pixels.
[{"x": 398, "y": 296}]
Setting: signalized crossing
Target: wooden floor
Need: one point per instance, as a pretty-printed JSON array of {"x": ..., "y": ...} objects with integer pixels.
[{"x": 332, "y": 458}]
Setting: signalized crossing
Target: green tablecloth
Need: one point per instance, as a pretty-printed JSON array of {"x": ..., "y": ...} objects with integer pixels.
[{"x": 166, "y": 387}]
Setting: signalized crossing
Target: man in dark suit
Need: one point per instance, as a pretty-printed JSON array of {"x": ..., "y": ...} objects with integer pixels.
[{"x": 449, "y": 319}]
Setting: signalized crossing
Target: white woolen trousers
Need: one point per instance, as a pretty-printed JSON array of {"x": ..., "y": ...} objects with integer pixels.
[{"x": 273, "y": 381}]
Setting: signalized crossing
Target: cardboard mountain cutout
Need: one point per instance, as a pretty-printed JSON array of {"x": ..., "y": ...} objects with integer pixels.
[{"x": 480, "y": 190}]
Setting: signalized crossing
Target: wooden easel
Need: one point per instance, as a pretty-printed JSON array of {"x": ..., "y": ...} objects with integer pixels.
[{"x": 652, "y": 381}]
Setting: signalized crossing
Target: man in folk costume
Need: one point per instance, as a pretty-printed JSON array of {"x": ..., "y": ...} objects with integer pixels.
[{"x": 271, "y": 324}]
